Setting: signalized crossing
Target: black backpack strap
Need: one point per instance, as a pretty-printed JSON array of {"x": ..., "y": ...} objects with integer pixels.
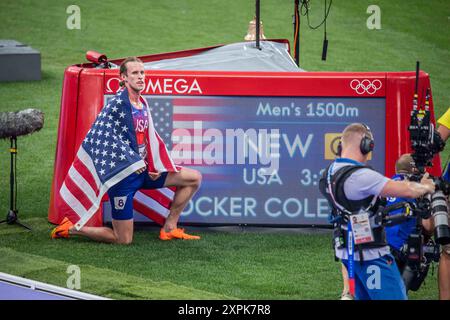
[
  {"x": 339, "y": 199},
  {"x": 335, "y": 185},
  {"x": 329, "y": 186}
]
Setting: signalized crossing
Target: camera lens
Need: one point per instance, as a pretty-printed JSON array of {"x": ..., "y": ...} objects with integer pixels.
[{"x": 440, "y": 217}]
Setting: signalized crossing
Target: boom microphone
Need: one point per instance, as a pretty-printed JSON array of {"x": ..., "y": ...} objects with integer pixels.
[{"x": 20, "y": 123}]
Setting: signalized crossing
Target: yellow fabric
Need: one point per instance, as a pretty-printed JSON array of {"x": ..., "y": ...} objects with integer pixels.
[{"x": 445, "y": 119}]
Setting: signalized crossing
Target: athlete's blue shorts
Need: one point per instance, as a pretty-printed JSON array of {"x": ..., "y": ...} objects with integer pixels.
[
  {"x": 378, "y": 279},
  {"x": 121, "y": 195}
]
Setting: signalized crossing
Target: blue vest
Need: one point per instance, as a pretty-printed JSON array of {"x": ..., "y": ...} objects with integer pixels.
[{"x": 397, "y": 235}]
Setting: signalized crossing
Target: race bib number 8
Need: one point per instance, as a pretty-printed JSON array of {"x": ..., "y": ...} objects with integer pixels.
[{"x": 119, "y": 202}]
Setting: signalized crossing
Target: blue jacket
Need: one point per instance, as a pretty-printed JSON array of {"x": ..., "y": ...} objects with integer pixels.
[{"x": 397, "y": 235}]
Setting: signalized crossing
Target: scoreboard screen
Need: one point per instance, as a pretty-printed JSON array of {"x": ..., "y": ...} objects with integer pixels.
[
  {"x": 260, "y": 139},
  {"x": 261, "y": 158}
]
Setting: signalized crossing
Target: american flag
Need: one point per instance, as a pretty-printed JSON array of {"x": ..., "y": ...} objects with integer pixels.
[
  {"x": 162, "y": 113},
  {"x": 195, "y": 119},
  {"x": 174, "y": 118},
  {"x": 107, "y": 155}
]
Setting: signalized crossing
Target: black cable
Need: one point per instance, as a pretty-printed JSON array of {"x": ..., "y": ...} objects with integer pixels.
[
  {"x": 446, "y": 164},
  {"x": 304, "y": 10}
]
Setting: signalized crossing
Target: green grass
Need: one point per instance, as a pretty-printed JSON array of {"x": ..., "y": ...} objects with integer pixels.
[
  {"x": 244, "y": 265},
  {"x": 223, "y": 265},
  {"x": 238, "y": 265},
  {"x": 100, "y": 281}
]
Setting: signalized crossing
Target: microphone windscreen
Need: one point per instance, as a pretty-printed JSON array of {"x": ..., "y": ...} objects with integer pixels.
[{"x": 20, "y": 123}]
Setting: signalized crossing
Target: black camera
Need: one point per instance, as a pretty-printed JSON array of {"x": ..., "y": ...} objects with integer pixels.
[
  {"x": 417, "y": 258},
  {"x": 436, "y": 204},
  {"x": 426, "y": 142}
]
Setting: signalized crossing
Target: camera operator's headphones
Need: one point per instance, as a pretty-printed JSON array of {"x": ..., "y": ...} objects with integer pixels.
[{"x": 367, "y": 144}]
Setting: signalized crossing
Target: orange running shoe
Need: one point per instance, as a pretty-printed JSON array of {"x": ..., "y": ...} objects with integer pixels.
[
  {"x": 62, "y": 230},
  {"x": 163, "y": 235},
  {"x": 177, "y": 233}
]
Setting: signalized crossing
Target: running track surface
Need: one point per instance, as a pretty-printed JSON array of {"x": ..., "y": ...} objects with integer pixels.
[{"x": 9, "y": 291}]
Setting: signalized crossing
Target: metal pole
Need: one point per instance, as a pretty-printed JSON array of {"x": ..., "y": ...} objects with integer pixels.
[
  {"x": 257, "y": 24},
  {"x": 297, "y": 33},
  {"x": 11, "y": 175},
  {"x": 417, "y": 77}
]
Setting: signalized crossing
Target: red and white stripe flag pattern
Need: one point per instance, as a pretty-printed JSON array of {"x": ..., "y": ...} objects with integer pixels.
[{"x": 107, "y": 155}]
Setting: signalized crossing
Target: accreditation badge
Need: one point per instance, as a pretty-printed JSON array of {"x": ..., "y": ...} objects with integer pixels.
[{"x": 362, "y": 233}]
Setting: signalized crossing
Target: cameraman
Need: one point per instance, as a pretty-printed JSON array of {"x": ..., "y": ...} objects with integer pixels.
[
  {"x": 353, "y": 188},
  {"x": 444, "y": 262},
  {"x": 398, "y": 235}
]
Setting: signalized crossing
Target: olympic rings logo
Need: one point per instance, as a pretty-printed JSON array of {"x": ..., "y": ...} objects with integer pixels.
[{"x": 365, "y": 86}]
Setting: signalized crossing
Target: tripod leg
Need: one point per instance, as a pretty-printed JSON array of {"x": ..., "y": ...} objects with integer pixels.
[{"x": 23, "y": 225}]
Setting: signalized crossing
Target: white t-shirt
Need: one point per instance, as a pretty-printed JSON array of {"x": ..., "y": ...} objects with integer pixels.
[{"x": 361, "y": 184}]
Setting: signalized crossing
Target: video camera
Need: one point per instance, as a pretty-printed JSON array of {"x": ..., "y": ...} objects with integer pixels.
[
  {"x": 426, "y": 142},
  {"x": 416, "y": 255}
]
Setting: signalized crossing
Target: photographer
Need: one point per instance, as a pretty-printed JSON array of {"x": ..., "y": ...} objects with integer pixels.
[
  {"x": 444, "y": 262},
  {"x": 397, "y": 235},
  {"x": 401, "y": 236},
  {"x": 353, "y": 189}
]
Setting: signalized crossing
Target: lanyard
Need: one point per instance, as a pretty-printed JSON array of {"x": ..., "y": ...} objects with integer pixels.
[
  {"x": 351, "y": 259},
  {"x": 347, "y": 160}
]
